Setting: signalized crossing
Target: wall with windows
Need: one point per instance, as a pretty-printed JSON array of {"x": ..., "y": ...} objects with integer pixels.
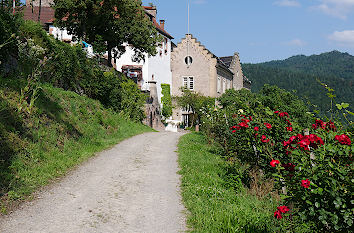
[
  {"x": 193, "y": 67},
  {"x": 126, "y": 59},
  {"x": 224, "y": 80}
]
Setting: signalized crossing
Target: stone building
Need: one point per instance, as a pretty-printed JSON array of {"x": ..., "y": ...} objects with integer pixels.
[{"x": 196, "y": 68}]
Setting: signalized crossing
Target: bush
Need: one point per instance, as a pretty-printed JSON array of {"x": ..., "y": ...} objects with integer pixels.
[
  {"x": 116, "y": 91},
  {"x": 313, "y": 169},
  {"x": 9, "y": 25},
  {"x": 67, "y": 67}
]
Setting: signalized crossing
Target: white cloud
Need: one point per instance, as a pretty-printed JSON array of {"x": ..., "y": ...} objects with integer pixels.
[
  {"x": 296, "y": 42},
  {"x": 343, "y": 38},
  {"x": 289, "y": 3},
  {"x": 336, "y": 8}
]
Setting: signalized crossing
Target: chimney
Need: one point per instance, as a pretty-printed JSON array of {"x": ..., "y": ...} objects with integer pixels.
[
  {"x": 151, "y": 10},
  {"x": 162, "y": 24}
]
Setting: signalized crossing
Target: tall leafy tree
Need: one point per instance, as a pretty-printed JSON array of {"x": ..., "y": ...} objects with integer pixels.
[{"x": 107, "y": 24}]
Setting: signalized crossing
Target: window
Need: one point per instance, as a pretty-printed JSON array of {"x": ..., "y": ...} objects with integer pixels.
[
  {"x": 191, "y": 83},
  {"x": 185, "y": 82},
  {"x": 188, "y": 60},
  {"x": 218, "y": 85},
  {"x": 188, "y": 82}
]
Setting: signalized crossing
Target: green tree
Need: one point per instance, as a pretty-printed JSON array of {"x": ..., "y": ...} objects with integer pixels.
[
  {"x": 194, "y": 102},
  {"x": 108, "y": 24}
]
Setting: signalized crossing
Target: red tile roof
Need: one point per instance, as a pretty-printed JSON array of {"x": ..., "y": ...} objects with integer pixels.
[
  {"x": 156, "y": 24},
  {"x": 47, "y": 17},
  {"x": 47, "y": 14}
]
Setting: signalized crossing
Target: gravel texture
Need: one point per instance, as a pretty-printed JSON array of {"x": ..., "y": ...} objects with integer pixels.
[{"x": 133, "y": 187}]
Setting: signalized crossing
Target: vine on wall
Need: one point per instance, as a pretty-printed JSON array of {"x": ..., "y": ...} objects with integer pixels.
[{"x": 166, "y": 100}]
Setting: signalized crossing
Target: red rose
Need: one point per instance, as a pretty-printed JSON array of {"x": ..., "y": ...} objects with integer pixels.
[
  {"x": 269, "y": 126},
  {"x": 234, "y": 131},
  {"x": 283, "y": 114},
  {"x": 289, "y": 129},
  {"x": 288, "y": 122},
  {"x": 250, "y": 118},
  {"x": 305, "y": 183},
  {"x": 274, "y": 163},
  {"x": 264, "y": 139},
  {"x": 283, "y": 209},
  {"x": 343, "y": 139},
  {"x": 256, "y": 128},
  {"x": 245, "y": 120},
  {"x": 277, "y": 215},
  {"x": 292, "y": 138},
  {"x": 243, "y": 124},
  {"x": 320, "y": 124}
]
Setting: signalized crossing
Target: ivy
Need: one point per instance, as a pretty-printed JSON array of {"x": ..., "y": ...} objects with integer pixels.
[{"x": 166, "y": 100}]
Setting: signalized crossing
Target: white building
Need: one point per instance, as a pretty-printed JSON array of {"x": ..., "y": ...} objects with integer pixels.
[{"x": 154, "y": 68}]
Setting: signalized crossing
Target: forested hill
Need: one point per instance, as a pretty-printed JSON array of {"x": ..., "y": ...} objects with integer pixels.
[
  {"x": 300, "y": 73},
  {"x": 333, "y": 63}
]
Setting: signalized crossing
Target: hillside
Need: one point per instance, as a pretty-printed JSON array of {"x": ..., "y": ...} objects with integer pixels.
[
  {"x": 300, "y": 73},
  {"x": 333, "y": 63},
  {"x": 62, "y": 130},
  {"x": 57, "y": 108}
]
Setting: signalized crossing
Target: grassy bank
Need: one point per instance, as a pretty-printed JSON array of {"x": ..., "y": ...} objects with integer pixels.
[
  {"x": 214, "y": 203},
  {"x": 62, "y": 131}
]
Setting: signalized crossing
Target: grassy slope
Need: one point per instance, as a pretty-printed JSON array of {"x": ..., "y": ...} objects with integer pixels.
[
  {"x": 213, "y": 204},
  {"x": 64, "y": 130}
]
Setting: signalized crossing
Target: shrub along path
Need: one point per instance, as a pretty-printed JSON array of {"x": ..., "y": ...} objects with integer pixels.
[{"x": 132, "y": 187}]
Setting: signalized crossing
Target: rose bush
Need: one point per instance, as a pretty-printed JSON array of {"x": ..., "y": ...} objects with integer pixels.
[{"x": 312, "y": 169}]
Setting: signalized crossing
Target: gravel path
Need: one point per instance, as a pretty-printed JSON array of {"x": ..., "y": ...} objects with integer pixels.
[{"x": 132, "y": 187}]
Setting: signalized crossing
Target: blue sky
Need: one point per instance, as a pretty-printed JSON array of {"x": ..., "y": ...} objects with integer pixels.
[{"x": 263, "y": 30}]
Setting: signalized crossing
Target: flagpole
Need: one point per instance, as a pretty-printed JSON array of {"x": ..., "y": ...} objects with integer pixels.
[{"x": 188, "y": 25}]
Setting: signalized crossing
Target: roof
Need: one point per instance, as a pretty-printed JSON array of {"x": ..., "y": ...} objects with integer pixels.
[
  {"x": 47, "y": 17},
  {"x": 227, "y": 60},
  {"x": 47, "y": 14},
  {"x": 223, "y": 65},
  {"x": 155, "y": 23}
]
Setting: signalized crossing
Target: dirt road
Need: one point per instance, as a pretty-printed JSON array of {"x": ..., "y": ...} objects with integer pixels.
[{"x": 132, "y": 187}]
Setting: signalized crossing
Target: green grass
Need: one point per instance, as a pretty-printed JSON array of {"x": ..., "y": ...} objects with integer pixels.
[
  {"x": 214, "y": 203},
  {"x": 64, "y": 130}
]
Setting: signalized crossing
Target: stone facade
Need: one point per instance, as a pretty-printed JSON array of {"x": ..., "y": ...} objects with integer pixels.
[
  {"x": 45, "y": 3},
  {"x": 234, "y": 64},
  {"x": 196, "y": 68}
]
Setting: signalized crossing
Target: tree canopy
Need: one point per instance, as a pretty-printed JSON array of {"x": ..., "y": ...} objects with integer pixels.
[
  {"x": 301, "y": 73},
  {"x": 108, "y": 25}
]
